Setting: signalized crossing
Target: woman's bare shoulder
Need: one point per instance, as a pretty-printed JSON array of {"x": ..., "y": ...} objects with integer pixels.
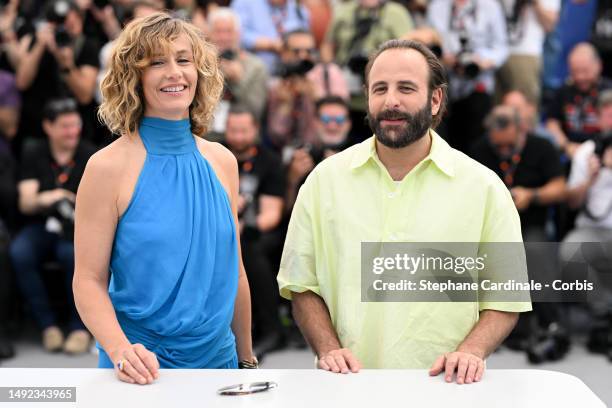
[
  {"x": 113, "y": 159},
  {"x": 219, "y": 156}
]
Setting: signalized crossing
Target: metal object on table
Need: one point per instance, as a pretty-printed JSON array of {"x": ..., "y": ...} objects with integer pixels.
[{"x": 247, "y": 388}]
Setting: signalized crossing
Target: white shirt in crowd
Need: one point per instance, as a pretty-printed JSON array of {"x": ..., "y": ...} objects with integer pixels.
[
  {"x": 528, "y": 36},
  {"x": 599, "y": 197}
]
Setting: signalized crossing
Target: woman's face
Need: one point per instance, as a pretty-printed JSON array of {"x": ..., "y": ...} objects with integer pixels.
[{"x": 169, "y": 82}]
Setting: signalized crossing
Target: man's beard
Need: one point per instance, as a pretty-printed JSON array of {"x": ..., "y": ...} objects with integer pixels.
[{"x": 413, "y": 129}]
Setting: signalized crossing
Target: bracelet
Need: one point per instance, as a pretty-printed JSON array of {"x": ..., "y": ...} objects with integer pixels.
[
  {"x": 246, "y": 364},
  {"x": 535, "y": 198}
]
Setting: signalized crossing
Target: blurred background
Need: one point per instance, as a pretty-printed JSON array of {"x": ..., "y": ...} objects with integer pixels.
[{"x": 293, "y": 97}]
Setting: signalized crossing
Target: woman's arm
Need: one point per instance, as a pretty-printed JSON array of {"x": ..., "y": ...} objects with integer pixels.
[{"x": 96, "y": 220}]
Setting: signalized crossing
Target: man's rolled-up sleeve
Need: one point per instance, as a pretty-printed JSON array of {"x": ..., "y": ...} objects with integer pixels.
[
  {"x": 502, "y": 246},
  {"x": 298, "y": 264}
]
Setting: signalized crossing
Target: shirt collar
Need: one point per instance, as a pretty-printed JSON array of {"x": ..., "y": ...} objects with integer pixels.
[{"x": 440, "y": 154}]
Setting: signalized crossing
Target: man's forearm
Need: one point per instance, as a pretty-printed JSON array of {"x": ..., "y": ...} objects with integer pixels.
[
  {"x": 28, "y": 67},
  {"x": 492, "y": 328},
  {"x": 80, "y": 87},
  {"x": 552, "y": 192},
  {"x": 312, "y": 317}
]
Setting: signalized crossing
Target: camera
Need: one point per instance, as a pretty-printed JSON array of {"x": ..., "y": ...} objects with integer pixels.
[
  {"x": 299, "y": 68},
  {"x": 56, "y": 13},
  {"x": 357, "y": 63},
  {"x": 602, "y": 142},
  {"x": 62, "y": 38},
  {"x": 229, "y": 55},
  {"x": 466, "y": 64},
  {"x": 550, "y": 344},
  {"x": 61, "y": 219}
]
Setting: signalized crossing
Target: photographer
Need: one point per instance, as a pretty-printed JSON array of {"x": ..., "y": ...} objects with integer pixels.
[
  {"x": 358, "y": 27},
  {"x": 60, "y": 62},
  {"x": 260, "y": 206},
  {"x": 47, "y": 186},
  {"x": 474, "y": 45},
  {"x": 291, "y": 97},
  {"x": 590, "y": 190},
  {"x": 332, "y": 125},
  {"x": 572, "y": 114},
  {"x": 246, "y": 77},
  {"x": 531, "y": 169}
]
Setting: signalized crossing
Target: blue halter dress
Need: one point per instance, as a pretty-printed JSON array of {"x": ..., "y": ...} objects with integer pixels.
[{"x": 174, "y": 262}]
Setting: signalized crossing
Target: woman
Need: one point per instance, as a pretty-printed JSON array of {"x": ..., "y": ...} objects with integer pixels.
[{"x": 157, "y": 208}]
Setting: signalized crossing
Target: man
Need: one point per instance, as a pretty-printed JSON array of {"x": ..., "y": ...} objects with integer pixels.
[
  {"x": 260, "y": 208},
  {"x": 530, "y": 167},
  {"x": 573, "y": 113},
  {"x": 60, "y": 62},
  {"x": 332, "y": 125},
  {"x": 246, "y": 77},
  {"x": 265, "y": 22},
  {"x": 590, "y": 190},
  {"x": 357, "y": 28},
  {"x": 475, "y": 44},
  {"x": 48, "y": 182},
  {"x": 528, "y": 111},
  {"x": 403, "y": 184},
  {"x": 291, "y": 99}
]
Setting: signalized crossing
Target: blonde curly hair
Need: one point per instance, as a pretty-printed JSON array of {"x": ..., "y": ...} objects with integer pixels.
[{"x": 123, "y": 100}]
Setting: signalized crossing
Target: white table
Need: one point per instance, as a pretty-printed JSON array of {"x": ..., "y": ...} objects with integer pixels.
[{"x": 309, "y": 388}]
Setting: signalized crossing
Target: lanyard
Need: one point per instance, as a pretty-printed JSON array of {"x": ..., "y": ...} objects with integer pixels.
[
  {"x": 247, "y": 165},
  {"x": 508, "y": 168},
  {"x": 61, "y": 174}
]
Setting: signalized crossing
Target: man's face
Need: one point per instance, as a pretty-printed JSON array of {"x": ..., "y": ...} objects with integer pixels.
[
  {"x": 584, "y": 70},
  {"x": 73, "y": 24},
  {"x": 526, "y": 111},
  {"x": 299, "y": 47},
  {"x": 605, "y": 118},
  {"x": 224, "y": 34},
  {"x": 504, "y": 141},
  {"x": 333, "y": 124},
  {"x": 369, "y": 3},
  {"x": 240, "y": 132},
  {"x": 400, "y": 106},
  {"x": 65, "y": 131}
]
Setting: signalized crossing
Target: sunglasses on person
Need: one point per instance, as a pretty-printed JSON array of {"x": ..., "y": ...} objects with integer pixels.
[
  {"x": 327, "y": 119},
  {"x": 298, "y": 51}
]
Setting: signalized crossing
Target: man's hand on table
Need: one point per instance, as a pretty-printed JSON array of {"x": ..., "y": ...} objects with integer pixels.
[
  {"x": 339, "y": 361},
  {"x": 469, "y": 367}
]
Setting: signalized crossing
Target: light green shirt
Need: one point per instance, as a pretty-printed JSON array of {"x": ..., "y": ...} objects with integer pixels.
[{"x": 350, "y": 198}]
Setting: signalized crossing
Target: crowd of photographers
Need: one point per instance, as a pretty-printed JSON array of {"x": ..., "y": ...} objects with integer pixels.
[{"x": 526, "y": 99}]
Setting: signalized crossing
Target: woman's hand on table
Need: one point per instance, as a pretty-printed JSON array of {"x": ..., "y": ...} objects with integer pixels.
[{"x": 135, "y": 364}]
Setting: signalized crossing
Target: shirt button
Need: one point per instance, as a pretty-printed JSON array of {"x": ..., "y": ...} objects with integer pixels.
[{"x": 391, "y": 195}]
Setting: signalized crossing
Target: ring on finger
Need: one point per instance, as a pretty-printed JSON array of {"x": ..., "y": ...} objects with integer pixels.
[{"x": 121, "y": 365}]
